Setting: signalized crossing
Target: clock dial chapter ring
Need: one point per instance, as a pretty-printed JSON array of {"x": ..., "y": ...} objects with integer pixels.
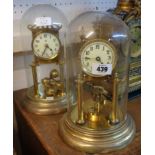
[
  {"x": 46, "y": 45},
  {"x": 97, "y": 51}
]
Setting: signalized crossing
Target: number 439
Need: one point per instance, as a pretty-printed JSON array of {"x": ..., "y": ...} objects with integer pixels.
[{"x": 102, "y": 69}]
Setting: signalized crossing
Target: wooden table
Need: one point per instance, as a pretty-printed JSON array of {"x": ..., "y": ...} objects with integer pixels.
[{"x": 39, "y": 134}]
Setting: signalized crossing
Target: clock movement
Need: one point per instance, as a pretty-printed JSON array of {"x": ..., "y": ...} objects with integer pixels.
[
  {"x": 46, "y": 26},
  {"x": 97, "y": 69}
]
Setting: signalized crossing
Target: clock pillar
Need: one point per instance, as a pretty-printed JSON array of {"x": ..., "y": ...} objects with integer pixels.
[{"x": 35, "y": 79}]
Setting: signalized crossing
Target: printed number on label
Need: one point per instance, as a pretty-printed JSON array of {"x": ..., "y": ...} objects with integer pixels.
[
  {"x": 102, "y": 69},
  {"x": 43, "y": 21}
]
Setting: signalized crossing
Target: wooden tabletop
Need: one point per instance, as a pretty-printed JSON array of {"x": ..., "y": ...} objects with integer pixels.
[{"x": 45, "y": 130}]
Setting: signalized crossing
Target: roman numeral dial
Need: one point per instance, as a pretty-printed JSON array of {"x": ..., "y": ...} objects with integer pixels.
[{"x": 46, "y": 45}]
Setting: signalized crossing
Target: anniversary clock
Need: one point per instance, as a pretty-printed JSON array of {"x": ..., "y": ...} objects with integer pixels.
[
  {"x": 98, "y": 51},
  {"x": 46, "y": 26}
]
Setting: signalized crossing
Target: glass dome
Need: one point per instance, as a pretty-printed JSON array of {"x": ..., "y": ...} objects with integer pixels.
[
  {"x": 97, "y": 68},
  {"x": 43, "y": 29}
]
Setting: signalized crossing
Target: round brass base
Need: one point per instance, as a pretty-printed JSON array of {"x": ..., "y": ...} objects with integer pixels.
[
  {"x": 42, "y": 106},
  {"x": 94, "y": 141}
]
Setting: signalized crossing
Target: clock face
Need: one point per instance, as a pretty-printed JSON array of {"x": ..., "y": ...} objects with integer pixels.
[
  {"x": 97, "y": 52},
  {"x": 135, "y": 41},
  {"x": 46, "y": 45}
]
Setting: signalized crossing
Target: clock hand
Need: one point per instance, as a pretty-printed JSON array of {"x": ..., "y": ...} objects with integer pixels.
[
  {"x": 89, "y": 58},
  {"x": 99, "y": 59},
  {"x": 44, "y": 51},
  {"x": 49, "y": 48}
]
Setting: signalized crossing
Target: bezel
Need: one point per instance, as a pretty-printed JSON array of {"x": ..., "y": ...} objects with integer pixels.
[{"x": 114, "y": 53}]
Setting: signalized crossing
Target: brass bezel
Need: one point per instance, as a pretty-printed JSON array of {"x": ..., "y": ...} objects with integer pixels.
[
  {"x": 46, "y": 31},
  {"x": 114, "y": 53}
]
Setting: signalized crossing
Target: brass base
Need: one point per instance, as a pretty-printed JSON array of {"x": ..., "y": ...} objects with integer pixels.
[
  {"x": 43, "y": 106},
  {"x": 94, "y": 141}
]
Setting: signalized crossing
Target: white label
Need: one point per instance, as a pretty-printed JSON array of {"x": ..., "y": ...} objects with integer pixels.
[
  {"x": 50, "y": 98},
  {"x": 102, "y": 69},
  {"x": 43, "y": 21}
]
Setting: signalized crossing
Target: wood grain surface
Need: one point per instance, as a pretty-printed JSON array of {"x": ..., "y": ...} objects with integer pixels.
[{"x": 39, "y": 134}]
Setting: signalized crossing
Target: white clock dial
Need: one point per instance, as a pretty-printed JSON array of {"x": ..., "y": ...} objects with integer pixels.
[
  {"x": 97, "y": 52},
  {"x": 46, "y": 45}
]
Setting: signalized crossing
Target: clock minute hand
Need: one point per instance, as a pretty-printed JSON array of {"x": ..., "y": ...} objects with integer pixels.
[{"x": 44, "y": 51}]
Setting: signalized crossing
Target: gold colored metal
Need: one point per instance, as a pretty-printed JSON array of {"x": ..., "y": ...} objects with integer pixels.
[
  {"x": 54, "y": 74},
  {"x": 114, "y": 54},
  {"x": 92, "y": 118},
  {"x": 35, "y": 79},
  {"x": 114, "y": 118},
  {"x": 44, "y": 106},
  {"x": 97, "y": 123},
  {"x": 36, "y": 30},
  {"x": 96, "y": 113},
  {"x": 125, "y": 5},
  {"x": 47, "y": 96},
  {"x": 53, "y": 87},
  {"x": 98, "y": 140},
  {"x": 79, "y": 100}
]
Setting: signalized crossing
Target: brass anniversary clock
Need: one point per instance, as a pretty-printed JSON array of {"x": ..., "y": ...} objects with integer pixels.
[
  {"x": 99, "y": 51},
  {"x": 47, "y": 94}
]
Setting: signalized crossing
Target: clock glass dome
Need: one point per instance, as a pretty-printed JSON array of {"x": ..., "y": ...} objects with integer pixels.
[
  {"x": 97, "y": 74},
  {"x": 43, "y": 31}
]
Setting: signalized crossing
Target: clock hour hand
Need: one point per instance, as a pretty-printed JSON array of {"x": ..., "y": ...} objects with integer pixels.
[
  {"x": 46, "y": 46},
  {"x": 49, "y": 47},
  {"x": 97, "y": 59},
  {"x": 88, "y": 58}
]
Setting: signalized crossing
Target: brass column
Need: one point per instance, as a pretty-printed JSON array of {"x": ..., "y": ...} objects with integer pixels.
[
  {"x": 79, "y": 100},
  {"x": 114, "y": 117},
  {"x": 35, "y": 78}
]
